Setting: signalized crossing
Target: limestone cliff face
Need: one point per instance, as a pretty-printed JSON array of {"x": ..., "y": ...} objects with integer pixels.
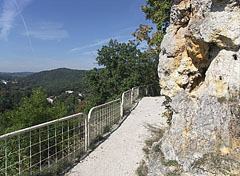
[
  {"x": 201, "y": 48},
  {"x": 199, "y": 68}
]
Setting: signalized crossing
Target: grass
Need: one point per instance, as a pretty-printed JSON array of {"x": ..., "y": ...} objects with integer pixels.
[
  {"x": 56, "y": 169},
  {"x": 146, "y": 150},
  {"x": 106, "y": 129},
  {"x": 173, "y": 174},
  {"x": 97, "y": 139},
  {"x": 157, "y": 134},
  {"x": 171, "y": 163},
  {"x": 61, "y": 167},
  {"x": 142, "y": 170},
  {"x": 168, "y": 114},
  {"x": 156, "y": 148}
]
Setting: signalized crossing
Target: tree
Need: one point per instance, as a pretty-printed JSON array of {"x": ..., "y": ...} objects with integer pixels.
[
  {"x": 158, "y": 11},
  {"x": 32, "y": 111},
  {"x": 124, "y": 66}
]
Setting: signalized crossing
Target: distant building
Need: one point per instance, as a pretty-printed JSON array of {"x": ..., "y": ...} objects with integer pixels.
[
  {"x": 50, "y": 100},
  {"x": 4, "y": 82},
  {"x": 69, "y": 91}
]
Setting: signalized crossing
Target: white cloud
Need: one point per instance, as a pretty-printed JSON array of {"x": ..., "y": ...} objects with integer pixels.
[
  {"x": 11, "y": 9},
  {"x": 48, "y": 31},
  {"x": 123, "y": 35},
  {"x": 92, "y": 53},
  {"x": 97, "y": 43}
]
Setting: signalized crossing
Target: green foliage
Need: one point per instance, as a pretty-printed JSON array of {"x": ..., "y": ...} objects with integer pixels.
[
  {"x": 57, "y": 81},
  {"x": 171, "y": 163},
  {"x": 142, "y": 170},
  {"x": 14, "y": 75},
  {"x": 56, "y": 169},
  {"x": 32, "y": 111},
  {"x": 11, "y": 95},
  {"x": 158, "y": 11},
  {"x": 107, "y": 129},
  {"x": 70, "y": 101},
  {"x": 124, "y": 66},
  {"x": 157, "y": 134}
]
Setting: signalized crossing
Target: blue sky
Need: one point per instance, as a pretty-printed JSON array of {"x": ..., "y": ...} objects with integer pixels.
[{"x": 38, "y": 35}]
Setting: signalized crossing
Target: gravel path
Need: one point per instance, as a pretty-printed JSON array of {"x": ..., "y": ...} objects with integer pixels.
[{"x": 121, "y": 153}]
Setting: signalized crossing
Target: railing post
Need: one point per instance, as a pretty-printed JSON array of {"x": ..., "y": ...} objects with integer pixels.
[
  {"x": 55, "y": 134},
  {"x": 86, "y": 134},
  {"x": 74, "y": 138},
  {"x": 30, "y": 152},
  {"x": 62, "y": 141},
  {"x": 5, "y": 157},
  {"x": 19, "y": 156},
  {"x": 68, "y": 150},
  {"x": 88, "y": 128},
  {"x": 138, "y": 92},
  {"x": 40, "y": 149},
  {"x": 48, "y": 146},
  {"x": 132, "y": 96},
  {"x": 122, "y": 106},
  {"x": 147, "y": 90}
]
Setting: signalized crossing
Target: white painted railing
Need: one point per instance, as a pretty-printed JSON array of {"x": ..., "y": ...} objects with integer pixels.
[
  {"x": 33, "y": 149},
  {"x": 36, "y": 148},
  {"x": 101, "y": 119}
]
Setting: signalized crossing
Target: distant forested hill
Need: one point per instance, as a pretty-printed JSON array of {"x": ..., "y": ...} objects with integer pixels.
[
  {"x": 56, "y": 81},
  {"x": 15, "y": 75}
]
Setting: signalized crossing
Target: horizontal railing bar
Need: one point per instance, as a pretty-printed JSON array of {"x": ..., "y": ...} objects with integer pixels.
[
  {"x": 15, "y": 133},
  {"x": 99, "y": 106}
]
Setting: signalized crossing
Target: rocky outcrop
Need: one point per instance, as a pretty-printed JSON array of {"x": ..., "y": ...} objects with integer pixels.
[
  {"x": 201, "y": 46},
  {"x": 199, "y": 68}
]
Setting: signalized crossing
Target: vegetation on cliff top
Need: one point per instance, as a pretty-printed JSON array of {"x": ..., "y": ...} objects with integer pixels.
[
  {"x": 159, "y": 13},
  {"x": 124, "y": 66}
]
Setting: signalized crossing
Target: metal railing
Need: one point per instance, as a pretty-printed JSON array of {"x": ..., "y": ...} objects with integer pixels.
[
  {"x": 101, "y": 119},
  {"x": 33, "y": 149},
  {"x": 135, "y": 94},
  {"x": 126, "y": 102}
]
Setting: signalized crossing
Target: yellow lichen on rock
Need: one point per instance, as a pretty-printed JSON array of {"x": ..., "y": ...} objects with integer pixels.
[
  {"x": 198, "y": 52},
  {"x": 220, "y": 88},
  {"x": 225, "y": 150},
  {"x": 186, "y": 132}
]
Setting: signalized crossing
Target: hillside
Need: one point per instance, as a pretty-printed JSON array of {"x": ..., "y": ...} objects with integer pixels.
[
  {"x": 56, "y": 81},
  {"x": 5, "y": 75}
]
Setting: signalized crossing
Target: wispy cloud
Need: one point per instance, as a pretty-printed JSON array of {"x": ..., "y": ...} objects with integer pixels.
[
  {"x": 123, "y": 35},
  {"x": 11, "y": 9},
  {"x": 97, "y": 43},
  {"x": 92, "y": 53},
  {"x": 48, "y": 31}
]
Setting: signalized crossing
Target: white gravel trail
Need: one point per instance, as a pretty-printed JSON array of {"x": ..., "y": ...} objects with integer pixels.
[{"x": 121, "y": 153}]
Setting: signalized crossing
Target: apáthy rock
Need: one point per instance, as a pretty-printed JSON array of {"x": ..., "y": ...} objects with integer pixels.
[{"x": 199, "y": 68}]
